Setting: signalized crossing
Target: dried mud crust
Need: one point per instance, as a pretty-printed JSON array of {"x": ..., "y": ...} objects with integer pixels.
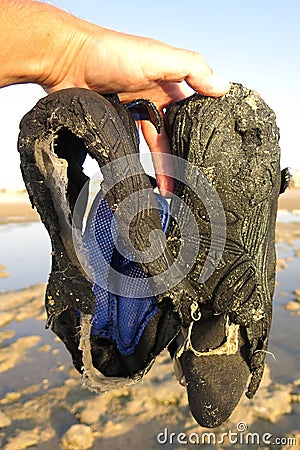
[{"x": 234, "y": 141}]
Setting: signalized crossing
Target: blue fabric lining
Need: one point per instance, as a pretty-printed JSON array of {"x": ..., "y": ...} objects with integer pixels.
[{"x": 122, "y": 319}]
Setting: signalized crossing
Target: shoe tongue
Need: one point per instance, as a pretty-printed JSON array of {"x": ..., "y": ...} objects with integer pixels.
[
  {"x": 101, "y": 233},
  {"x": 117, "y": 316},
  {"x": 285, "y": 180},
  {"x": 209, "y": 334},
  {"x": 102, "y": 226},
  {"x": 145, "y": 110}
]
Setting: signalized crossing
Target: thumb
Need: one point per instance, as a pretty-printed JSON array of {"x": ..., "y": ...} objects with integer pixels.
[{"x": 203, "y": 80}]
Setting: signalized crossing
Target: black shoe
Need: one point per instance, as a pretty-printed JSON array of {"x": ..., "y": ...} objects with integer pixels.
[
  {"x": 213, "y": 364},
  {"x": 233, "y": 140},
  {"x": 55, "y": 137}
]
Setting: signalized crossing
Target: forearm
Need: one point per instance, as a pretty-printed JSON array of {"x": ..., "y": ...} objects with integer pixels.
[{"x": 37, "y": 42}]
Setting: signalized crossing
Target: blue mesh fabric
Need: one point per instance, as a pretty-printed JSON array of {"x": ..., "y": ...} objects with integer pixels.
[{"x": 120, "y": 318}]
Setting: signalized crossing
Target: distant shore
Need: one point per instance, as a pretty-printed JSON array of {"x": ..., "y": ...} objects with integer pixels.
[
  {"x": 290, "y": 200},
  {"x": 15, "y": 206}
]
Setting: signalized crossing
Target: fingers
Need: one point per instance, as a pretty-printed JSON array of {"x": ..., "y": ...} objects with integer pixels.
[
  {"x": 162, "y": 63},
  {"x": 214, "y": 85},
  {"x": 159, "y": 146},
  {"x": 135, "y": 64},
  {"x": 203, "y": 80},
  {"x": 163, "y": 95},
  {"x": 192, "y": 68}
]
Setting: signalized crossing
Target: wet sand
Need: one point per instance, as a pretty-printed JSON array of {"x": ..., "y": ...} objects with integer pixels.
[
  {"x": 15, "y": 207},
  {"x": 290, "y": 200},
  {"x": 44, "y": 407}
]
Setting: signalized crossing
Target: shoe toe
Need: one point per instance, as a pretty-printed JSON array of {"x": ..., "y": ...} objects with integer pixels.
[{"x": 214, "y": 382}]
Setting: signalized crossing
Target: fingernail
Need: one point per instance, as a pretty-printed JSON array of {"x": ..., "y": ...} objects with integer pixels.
[{"x": 217, "y": 84}]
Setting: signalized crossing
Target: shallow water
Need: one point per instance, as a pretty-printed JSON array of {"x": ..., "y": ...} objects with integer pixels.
[
  {"x": 25, "y": 251},
  {"x": 284, "y": 338},
  {"x": 288, "y": 216}
]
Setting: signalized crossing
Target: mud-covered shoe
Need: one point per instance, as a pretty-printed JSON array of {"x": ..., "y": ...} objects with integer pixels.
[
  {"x": 233, "y": 142},
  {"x": 213, "y": 364},
  {"x": 55, "y": 137}
]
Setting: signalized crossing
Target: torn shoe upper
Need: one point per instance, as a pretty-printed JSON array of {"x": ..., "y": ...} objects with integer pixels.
[{"x": 54, "y": 138}]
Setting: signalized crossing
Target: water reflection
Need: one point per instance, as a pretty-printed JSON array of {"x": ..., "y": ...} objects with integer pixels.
[
  {"x": 25, "y": 251},
  {"x": 284, "y": 215},
  {"x": 284, "y": 338}
]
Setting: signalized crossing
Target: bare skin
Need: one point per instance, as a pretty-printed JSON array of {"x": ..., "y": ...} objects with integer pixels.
[{"x": 48, "y": 46}]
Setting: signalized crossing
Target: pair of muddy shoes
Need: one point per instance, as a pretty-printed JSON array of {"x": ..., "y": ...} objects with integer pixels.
[{"x": 130, "y": 275}]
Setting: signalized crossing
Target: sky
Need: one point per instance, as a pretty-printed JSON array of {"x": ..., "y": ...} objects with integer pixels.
[{"x": 253, "y": 42}]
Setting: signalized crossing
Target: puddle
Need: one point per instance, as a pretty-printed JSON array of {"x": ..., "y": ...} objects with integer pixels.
[{"x": 25, "y": 251}]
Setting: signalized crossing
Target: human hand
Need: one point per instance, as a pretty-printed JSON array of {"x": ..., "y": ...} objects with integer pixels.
[
  {"x": 43, "y": 44},
  {"x": 136, "y": 67}
]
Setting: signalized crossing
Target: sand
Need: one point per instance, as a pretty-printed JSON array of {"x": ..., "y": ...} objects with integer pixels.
[
  {"x": 15, "y": 207},
  {"x": 44, "y": 407}
]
